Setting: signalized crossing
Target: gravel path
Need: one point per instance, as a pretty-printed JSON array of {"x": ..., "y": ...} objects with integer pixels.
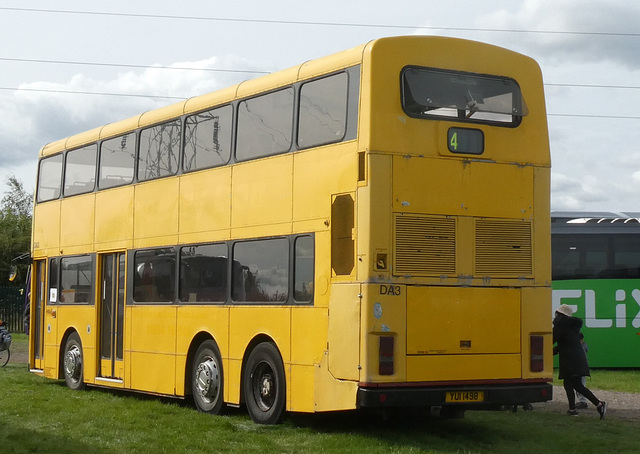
[{"x": 619, "y": 405}]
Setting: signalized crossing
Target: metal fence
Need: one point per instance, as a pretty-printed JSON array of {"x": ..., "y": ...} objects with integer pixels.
[{"x": 12, "y": 308}]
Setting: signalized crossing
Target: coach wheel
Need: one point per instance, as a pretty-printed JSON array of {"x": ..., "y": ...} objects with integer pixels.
[
  {"x": 73, "y": 367},
  {"x": 264, "y": 385},
  {"x": 207, "y": 379}
]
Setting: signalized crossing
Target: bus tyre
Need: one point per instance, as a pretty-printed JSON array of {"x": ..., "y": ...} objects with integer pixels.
[
  {"x": 207, "y": 379},
  {"x": 264, "y": 385},
  {"x": 73, "y": 362}
]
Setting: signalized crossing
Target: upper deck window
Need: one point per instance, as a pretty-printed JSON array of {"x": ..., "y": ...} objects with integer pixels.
[
  {"x": 323, "y": 111},
  {"x": 207, "y": 140},
  {"x": 50, "y": 178},
  {"x": 439, "y": 94},
  {"x": 117, "y": 160},
  {"x": 159, "y": 151},
  {"x": 265, "y": 125},
  {"x": 80, "y": 170}
]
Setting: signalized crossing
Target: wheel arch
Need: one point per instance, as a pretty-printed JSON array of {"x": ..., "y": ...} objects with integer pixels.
[
  {"x": 257, "y": 340},
  {"x": 63, "y": 342},
  {"x": 197, "y": 340}
]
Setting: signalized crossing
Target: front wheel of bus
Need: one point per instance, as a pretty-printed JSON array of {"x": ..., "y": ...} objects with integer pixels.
[
  {"x": 264, "y": 385},
  {"x": 207, "y": 379},
  {"x": 73, "y": 367}
]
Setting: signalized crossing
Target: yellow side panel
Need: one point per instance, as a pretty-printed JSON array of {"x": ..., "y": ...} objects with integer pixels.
[
  {"x": 77, "y": 215},
  {"x": 320, "y": 173},
  {"x": 301, "y": 388},
  {"x": 153, "y": 348},
  {"x": 197, "y": 319},
  {"x": 308, "y": 334},
  {"x": 46, "y": 232},
  {"x": 245, "y": 323},
  {"x": 205, "y": 205},
  {"x": 344, "y": 332},
  {"x": 456, "y": 367},
  {"x": 537, "y": 322},
  {"x": 506, "y": 189},
  {"x": 156, "y": 212},
  {"x": 114, "y": 218},
  {"x": 332, "y": 394},
  {"x": 261, "y": 197},
  {"x": 80, "y": 318},
  {"x": 462, "y": 320}
]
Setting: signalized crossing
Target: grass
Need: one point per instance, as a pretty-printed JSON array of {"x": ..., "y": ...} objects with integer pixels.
[{"x": 38, "y": 415}]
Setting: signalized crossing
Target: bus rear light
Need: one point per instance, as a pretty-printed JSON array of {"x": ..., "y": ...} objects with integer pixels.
[
  {"x": 536, "y": 353},
  {"x": 385, "y": 365}
]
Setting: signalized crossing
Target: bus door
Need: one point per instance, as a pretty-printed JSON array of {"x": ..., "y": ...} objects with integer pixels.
[
  {"x": 112, "y": 286},
  {"x": 37, "y": 316}
]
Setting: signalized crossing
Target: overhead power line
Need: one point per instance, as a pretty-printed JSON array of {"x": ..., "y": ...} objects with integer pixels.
[
  {"x": 124, "y": 65},
  {"x": 95, "y": 93},
  {"x": 331, "y": 24}
]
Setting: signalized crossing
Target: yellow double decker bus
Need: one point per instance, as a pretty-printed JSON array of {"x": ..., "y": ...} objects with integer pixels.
[{"x": 369, "y": 229}]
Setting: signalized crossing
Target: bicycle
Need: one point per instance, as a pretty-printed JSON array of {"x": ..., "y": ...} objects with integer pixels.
[{"x": 5, "y": 343}]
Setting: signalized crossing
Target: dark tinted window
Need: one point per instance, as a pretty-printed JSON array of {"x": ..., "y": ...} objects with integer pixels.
[
  {"x": 438, "y": 94},
  {"x": 584, "y": 256},
  {"x": 50, "y": 178},
  {"x": 80, "y": 170},
  {"x": 261, "y": 270},
  {"x": 265, "y": 125},
  {"x": 323, "y": 111},
  {"x": 207, "y": 139},
  {"x": 159, "y": 151},
  {"x": 76, "y": 279},
  {"x": 154, "y": 275},
  {"x": 53, "y": 280},
  {"x": 203, "y": 273},
  {"x": 117, "y": 160},
  {"x": 303, "y": 274}
]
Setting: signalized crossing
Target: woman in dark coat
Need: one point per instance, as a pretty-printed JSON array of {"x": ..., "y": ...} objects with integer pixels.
[{"x": 572, "y": 359}]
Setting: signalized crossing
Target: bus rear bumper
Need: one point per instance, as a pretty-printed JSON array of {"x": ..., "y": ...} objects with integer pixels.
[{"x": 471, "y": 397}]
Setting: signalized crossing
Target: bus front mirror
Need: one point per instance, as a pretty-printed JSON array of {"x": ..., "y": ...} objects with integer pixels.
[{"x": 13, "y": 272}]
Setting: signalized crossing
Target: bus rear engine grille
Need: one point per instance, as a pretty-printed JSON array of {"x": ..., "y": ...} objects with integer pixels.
[
  {"x": 425, "y": 246},
  {"x": 503, "y": 248}
]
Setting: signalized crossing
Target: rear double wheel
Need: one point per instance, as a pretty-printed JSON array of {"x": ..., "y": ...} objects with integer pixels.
[
  {"x": 264, "y": 384},
  {"x": 207, "y": 379}
]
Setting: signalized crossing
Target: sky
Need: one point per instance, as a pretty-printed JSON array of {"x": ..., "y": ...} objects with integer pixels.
[{"x": 121, "y": 58}]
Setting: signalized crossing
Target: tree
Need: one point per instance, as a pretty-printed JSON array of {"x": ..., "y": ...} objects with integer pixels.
[{"x": 15, "y": 229}]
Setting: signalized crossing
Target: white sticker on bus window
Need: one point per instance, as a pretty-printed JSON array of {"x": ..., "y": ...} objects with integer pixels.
[{"x": 53, "y": 295}]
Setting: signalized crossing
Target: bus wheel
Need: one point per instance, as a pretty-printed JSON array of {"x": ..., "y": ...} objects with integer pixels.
[
  {"x": 264, "y": 385},
  {"x": 73, "y": 369},
  {"x": 207, "y": 379}
]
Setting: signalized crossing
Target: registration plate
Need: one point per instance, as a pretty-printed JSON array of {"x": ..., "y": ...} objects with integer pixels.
[{"x": 465, "y": 396}]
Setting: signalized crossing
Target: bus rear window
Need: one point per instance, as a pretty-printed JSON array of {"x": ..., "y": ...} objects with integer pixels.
[{"x": 440, "y": 94}]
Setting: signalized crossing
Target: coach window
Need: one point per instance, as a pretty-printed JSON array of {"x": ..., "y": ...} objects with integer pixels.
[
  {"x": 159, "y": 151},
  {"x": 76, "y": 279},
  {"x": 203, "y": 273},
  {"x": 117, "y": 159},
  {"x": 154, "y": 276},
  {"x": 303, "y": 271},
  {"x": 207, "y": 139},
  {"x": 261, "y": 270},
  {"x": 80, "y": 170},
  {"x": 265, "y": 125},
  {"x": 50, "y": 178},
  {"x": 323, "y": 111}
]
